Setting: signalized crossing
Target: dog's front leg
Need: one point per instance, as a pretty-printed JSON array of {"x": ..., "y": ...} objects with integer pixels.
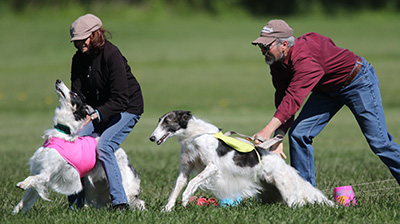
[
  {"x": 27, "y": 201},
  {"x": 181, "y": 182},
  {"x": 25, "y": 184},
  {"x": 38, "y": 182},
  {"x": 209, "y": 171}
]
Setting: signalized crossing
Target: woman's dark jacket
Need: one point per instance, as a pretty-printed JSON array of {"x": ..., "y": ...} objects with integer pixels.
[{"x": 105, "y": 79}]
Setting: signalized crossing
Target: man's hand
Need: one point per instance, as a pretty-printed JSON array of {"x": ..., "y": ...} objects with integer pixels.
[
  {"x": 266, "y": 133},
  {"x": 261, "y": 136},
  {"x": 278, "y": 149}
]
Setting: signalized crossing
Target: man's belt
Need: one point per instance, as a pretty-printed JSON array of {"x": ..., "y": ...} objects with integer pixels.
[{"x": 353, "y": 73}]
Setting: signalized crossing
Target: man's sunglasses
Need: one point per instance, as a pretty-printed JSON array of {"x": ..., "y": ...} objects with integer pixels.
[{"x": 264, "y": 46}]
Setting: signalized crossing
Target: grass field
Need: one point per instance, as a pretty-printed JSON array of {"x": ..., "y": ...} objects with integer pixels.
[{"x": 206, "y": 65}]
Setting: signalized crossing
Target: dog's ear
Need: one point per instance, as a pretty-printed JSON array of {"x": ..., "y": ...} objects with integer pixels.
[
  {"x": 80, "y": 112},
  {"x": 183, "y": 118},
  {"x": 83, "y": 98},
  {"x": 79, "y": 106}
]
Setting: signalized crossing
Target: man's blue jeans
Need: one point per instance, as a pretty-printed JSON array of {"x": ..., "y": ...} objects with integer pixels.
[
  {"x": 362, "y": 97},
  {"x": 112, "y": 135}
]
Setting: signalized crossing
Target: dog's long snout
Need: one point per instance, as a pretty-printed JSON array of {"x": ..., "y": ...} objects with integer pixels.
[{"x": 152, "y": 138}]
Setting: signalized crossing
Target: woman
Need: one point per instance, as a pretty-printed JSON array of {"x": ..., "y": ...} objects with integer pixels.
[{"x": 101, "y": 73}]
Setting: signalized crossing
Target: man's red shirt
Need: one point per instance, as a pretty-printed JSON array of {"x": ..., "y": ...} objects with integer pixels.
[{"x": 314, "y": 63}]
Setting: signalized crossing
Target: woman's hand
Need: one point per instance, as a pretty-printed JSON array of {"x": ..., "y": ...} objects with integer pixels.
[{"x": 87, "y": 120}]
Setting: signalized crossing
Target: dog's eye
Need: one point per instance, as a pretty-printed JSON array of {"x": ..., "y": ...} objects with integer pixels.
[{"x": 73, "y": 95}]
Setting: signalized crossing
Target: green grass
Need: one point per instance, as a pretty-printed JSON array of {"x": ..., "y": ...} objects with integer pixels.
[{"x": 205, "y": 65}]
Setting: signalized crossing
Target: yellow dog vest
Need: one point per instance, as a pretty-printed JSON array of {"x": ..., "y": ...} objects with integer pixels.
[{"x": 234, "y": 143}]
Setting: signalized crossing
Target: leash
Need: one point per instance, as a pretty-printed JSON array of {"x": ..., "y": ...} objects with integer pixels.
[
  {"x": 370, "y": 183},
  {"x": 373, "y": 182}
]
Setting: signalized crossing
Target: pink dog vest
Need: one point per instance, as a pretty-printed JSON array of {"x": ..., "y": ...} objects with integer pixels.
[{"x": 81, "y": 153}]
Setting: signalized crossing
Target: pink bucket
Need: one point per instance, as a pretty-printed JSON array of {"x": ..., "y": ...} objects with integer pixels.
[{"x": 344, "y": 195}]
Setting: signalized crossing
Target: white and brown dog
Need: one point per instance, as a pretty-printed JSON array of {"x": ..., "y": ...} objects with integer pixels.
[
  {"x": 65, "y": 158},
  {"x": 226, "y": 172}
]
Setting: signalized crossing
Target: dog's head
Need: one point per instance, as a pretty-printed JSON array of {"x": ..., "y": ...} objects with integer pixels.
[
  {"x": 169, "y": 125},
  {"x": 70, "y": 114}
]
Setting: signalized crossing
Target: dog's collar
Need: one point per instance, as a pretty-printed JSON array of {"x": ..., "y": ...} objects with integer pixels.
[{"x": 63, "y": 129}]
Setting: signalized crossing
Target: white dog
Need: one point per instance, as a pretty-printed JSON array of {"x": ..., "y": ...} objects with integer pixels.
[
  {"x": 50, "y": 168},
  {"x": 226, "y": 172}
]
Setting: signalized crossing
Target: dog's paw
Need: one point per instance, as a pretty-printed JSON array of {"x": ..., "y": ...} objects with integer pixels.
[
  {"x": 139, "y": 204},
  {"x": 185, "y": 199},
  {"x": 25, "y": 184},
  {"x": 22, "y": 185},
  {"x": 185, "y": 202},
  {"x": 167, "y": 208},
  {"x": 17, "y": 208}
]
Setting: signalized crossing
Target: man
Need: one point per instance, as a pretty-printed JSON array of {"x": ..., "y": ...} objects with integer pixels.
[{"x": 335, "y": 77}]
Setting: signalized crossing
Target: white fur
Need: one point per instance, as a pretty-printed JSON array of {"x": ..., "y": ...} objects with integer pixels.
[
  {"x": 51, "y": 171},
  {"x": 271, "y": 180}
]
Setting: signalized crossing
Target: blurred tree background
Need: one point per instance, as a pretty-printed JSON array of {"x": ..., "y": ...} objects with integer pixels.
[{"x": 216, "y": 7}]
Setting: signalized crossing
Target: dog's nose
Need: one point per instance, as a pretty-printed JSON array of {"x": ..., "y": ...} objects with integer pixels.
[
  {"x": 58, "y": 81},
  {"x": 152, "y": 138}
]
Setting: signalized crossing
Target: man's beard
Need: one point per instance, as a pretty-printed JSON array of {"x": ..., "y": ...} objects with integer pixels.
[{"x": 270, "y": 59}]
